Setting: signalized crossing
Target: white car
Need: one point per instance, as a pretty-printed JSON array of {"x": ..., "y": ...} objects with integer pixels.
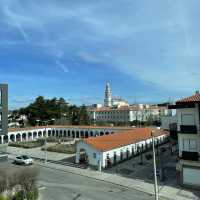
[{"x": 25, "y": 160}]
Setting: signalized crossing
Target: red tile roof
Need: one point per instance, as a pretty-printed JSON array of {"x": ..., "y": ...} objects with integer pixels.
[
  {"x": 191, "y": 99},
  {"x": 108, "y": 142}
]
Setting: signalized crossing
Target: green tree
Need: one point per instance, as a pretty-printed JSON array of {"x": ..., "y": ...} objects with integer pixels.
[{"x": 46, "y": 109}]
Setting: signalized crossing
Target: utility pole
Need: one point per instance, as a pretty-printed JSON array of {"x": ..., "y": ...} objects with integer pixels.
[{"x": 154, "y": 167}]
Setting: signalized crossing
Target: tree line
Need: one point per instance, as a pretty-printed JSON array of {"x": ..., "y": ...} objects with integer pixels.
[{"x": 53, "y": 111}]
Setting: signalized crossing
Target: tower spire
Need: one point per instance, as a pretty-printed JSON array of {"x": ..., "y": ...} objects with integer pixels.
[{"x": 108, "y": 96}]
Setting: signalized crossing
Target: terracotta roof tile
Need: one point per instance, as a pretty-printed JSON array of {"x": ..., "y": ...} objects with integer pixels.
[
  {"x": 108, "y": 142},
  {"x": 191, "y": 99}
]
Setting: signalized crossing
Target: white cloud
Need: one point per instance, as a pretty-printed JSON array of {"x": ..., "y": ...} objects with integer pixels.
[
  {"x": 88, "y": 57},
  {"x": 157, "y": 42}
]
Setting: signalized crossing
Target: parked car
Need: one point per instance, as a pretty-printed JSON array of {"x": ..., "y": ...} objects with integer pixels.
[{"x": 24, "y": 159}]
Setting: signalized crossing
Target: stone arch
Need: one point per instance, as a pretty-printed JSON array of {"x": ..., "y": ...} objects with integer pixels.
[
  {"x": 86, "y": 134},
  {"x": 30, "y": 135},
  {"x": 91, "y": 133},
  {"x": 40, "y": 134},
  {"x": 106, "y": 133},
  {"x": 68, "y": 132},
  {"x": 77, "y": 134},
  {"x": 73, "y": 134},
  {"x": 60, "y": 133},
  {"x": 12, "y": 137},
  {"x": 53, "y": 133},
  {"x": 83, "y": 157},
  {"x": 82, "y": 134},
  {"x": 49, "y": 133},
  {"x": 18, "y": 137},
  {"x": 44, "y": 133},
  {"x": 34, "y": 134},
  {"x": 24, "y": 136},
  {"x": 101, "y": 133},
  {"x": 65, "y": 133},
  {"x": 57, "y": 133},
  {"x": 1, "y": 139},
  {"x": 96, "y": 134},
  {"x": 5, "y": 139}
]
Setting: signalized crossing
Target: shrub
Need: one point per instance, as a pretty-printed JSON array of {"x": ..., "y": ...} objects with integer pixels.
[
  {"x": 21, "y": 180},
  {"x": 28, "y": 144},
  {"x": 62, "y": 148}
]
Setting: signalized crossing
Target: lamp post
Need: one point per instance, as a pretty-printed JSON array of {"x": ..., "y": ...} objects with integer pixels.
[
  {"x": 154, "y": 167},
  {"x": 46, "y": 126}
]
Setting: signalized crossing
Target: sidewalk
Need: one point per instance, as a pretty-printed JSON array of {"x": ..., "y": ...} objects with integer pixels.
[{"x": 167, "y": 192}]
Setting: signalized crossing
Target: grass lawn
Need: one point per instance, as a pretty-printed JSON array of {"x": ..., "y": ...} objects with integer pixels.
[
  {"x": 55, "y": 139},
  {"x": 62, "y": 148},
  {"x": 27, "y": 144}
]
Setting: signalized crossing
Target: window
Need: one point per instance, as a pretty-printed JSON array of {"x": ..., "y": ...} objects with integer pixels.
[
  {"x": 193, "y": 145},
  {"x": 188, "y": 119},
  {"x": 94, "y": 155},
  {"x": 189, "y": 145}
]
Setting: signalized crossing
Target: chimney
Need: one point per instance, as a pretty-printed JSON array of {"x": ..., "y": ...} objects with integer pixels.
[{"x": 197, "y": 92}]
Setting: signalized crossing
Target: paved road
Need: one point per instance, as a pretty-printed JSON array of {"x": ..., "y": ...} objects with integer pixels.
[{"x": 59, "y": 185}]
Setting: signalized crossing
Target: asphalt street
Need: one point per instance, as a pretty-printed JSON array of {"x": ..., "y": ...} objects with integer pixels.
[{"x": 59, "y": 185}]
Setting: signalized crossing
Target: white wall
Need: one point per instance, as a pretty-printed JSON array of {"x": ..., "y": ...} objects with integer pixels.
[
  {"x": 131, "y": 147},
  {"x": 190, "y": 112},
  {"x": 94, "y": 161},
  {"x": 167, "y": 120}
]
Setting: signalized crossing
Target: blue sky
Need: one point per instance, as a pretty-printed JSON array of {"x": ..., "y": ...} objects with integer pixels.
[{"x": 148, "y": 50}]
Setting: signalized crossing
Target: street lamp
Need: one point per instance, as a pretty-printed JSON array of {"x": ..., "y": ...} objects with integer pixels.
[{"x": 154, "y": 167}]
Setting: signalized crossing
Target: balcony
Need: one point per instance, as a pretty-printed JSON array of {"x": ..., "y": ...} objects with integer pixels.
[
  {"x": 188, "y": 129},
  {"x": 193, "y": 156}
]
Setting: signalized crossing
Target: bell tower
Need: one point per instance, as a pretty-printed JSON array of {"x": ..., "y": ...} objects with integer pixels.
[{"x": 108, "y": 96}]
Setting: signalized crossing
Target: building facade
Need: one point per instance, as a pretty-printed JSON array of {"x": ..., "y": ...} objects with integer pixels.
[
  {"x": 108, "y": 150},
  {"x": 188, "y": 129},
  {"x": 126, "y": 114},
  {"x": 3, "y": 109},
  {"x": 76, "y": 132}
]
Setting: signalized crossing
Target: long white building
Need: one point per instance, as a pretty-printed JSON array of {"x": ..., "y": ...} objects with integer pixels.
[
  {"x": 108, "y": 150},
  {"x": 33, "y": 133},
  {"x": 128, "y": 114}
]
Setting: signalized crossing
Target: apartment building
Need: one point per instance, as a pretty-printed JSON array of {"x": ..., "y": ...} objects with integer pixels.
[
  {"x": 3, "y": 118},
  {"x": 188, "y": 129},
  {"x": 3, "y": 109}
]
